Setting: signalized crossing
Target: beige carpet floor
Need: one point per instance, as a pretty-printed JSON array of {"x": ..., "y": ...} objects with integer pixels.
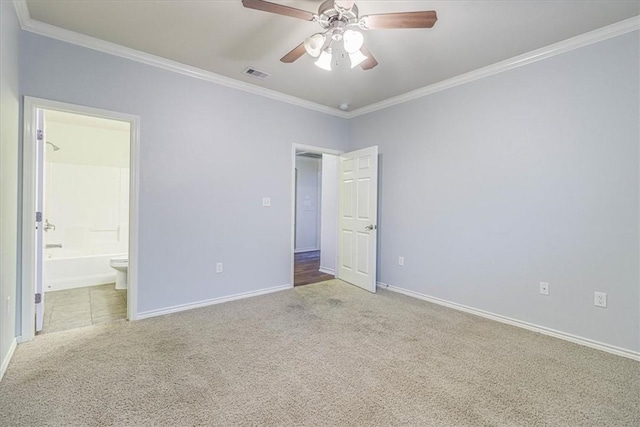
[{"x": 324, "y": 354}]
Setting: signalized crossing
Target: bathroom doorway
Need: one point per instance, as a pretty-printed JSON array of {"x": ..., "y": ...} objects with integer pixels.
[
  {"x": 80, "y": 193},
  {"x": 86, "y": 220}
]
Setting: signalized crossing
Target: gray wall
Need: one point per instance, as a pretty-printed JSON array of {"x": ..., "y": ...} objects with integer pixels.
[
  {"x": 307, "y": 206},
  {"x": 526, "y": 176},
  {"x": 487, "y": 188},
  {"x": 329, "y": 213},
  {"x": 208, "y": 155},
  {"x": 9, "y": 109}
]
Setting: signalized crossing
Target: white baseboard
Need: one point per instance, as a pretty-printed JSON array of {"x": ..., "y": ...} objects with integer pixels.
[
  {"x": 198, "y": 304},
  {"x": 300, "y": 251},
  {"x": 519, "y": 323},
  {"x": 326, "y": 270},
  {"x": 7, "y": 358}
]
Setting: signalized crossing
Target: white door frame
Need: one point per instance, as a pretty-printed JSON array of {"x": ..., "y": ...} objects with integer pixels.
[
  {"x": 294, "y": 149},
  {"x": 31, "y": 104}
]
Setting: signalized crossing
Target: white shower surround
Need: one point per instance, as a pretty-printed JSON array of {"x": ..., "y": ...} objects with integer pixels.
[{"x": 89, "y": 206}]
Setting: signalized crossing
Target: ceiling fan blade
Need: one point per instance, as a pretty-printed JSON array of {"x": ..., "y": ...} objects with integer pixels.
[
  {"x": 370, "y": 62},
  {"x": 296, "y": 53},
  {"x": 424, "y": 19},
  {"x": 279, "y": 9}
]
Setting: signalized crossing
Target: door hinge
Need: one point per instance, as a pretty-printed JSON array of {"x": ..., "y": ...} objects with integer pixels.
[
  {"x": 39, "y": 135},
  {"x": 38, "y": 216},
  {"x": 38, "y": 298}
]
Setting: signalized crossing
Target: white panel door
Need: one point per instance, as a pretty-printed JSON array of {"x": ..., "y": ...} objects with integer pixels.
[
  {"x": 40, "y": 147},
  {"x": 358, "y": 216}
]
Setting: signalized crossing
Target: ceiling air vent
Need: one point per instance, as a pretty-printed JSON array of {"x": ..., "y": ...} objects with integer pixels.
[{"x": 256, "y": 73}]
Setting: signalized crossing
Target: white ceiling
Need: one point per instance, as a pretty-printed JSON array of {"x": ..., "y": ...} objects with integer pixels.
[{"x": 223, "y": 37}]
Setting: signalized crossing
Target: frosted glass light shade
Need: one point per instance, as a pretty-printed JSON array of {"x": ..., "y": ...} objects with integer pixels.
[
  {"x": 353, "y": 41},
  {"x": 356, "y": 58},
  {"x": 324, "y": 61},
  {"x": 313, "y": 44}
]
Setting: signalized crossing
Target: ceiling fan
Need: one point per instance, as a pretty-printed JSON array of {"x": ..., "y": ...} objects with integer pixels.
[{"x": 342, "y": 26}]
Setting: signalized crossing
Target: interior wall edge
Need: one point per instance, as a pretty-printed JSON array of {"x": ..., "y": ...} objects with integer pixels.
[
  {"x": 10, "y": 181},
  {"x": 7, "y": 358}
]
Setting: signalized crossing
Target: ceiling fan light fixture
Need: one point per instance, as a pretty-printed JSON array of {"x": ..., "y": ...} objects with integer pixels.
[
  {"x": 357, "y": 58},
  {"x": 353, "y": 41},
  {"x": 324, "y": 61},
  {"x": 342, "y": 23},
  {"x": 313, "y": 44}
]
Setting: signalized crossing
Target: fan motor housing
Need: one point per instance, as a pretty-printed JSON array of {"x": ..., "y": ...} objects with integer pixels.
[{"x": 328, "y": 14}]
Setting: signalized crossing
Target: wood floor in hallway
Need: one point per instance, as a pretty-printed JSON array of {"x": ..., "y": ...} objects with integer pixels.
[{"x": 306, "y": 269}]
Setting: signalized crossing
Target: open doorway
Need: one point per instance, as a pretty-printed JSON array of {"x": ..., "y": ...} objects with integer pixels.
[
  {"x": 315, "y": 215},
  {"x": 80, "y": 216},
  {"x": 86, "y": 220},
  {"x": 347, "y": 209}
]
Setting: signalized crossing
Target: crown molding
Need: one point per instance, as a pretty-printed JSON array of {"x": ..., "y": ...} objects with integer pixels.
[
  {"x": 595, "y": 36},
  {"x": 51, "y": 31}
]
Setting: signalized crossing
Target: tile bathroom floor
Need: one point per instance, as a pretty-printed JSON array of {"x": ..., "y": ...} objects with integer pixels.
[{"x": 75, "y": 308}]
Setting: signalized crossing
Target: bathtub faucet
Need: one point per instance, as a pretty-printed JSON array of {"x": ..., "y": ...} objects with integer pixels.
[{"x": 48, "y": 226}]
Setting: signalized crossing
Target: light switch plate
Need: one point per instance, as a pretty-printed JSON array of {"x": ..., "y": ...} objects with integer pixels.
[{"x": 266, "y": 201}]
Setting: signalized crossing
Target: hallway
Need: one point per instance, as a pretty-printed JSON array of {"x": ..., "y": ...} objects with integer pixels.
[{"x": 306, "y": 271}]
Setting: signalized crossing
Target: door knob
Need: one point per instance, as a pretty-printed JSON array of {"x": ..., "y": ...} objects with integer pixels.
[{"x": 370, "y": 227}]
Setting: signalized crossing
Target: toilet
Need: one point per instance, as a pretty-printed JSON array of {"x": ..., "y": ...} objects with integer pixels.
[{"x": 121, "y": 265}]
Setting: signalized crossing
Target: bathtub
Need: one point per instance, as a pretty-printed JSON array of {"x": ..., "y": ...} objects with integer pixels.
[{"x": 77, "y": 272}]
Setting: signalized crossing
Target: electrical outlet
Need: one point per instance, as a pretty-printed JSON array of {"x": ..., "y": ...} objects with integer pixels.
[
  {"x": 219, "y": 267},
  {"x": 8, "y": 304},
  {"x": 600, "y": 299},
  {"x": 266, "y": 201},
  {"x": 544, "y": 288},
  {"x": 401, "y": 260}
]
